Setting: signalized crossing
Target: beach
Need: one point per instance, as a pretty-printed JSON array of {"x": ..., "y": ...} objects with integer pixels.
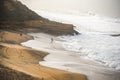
[
  {"x": 44, "y": 45},
  {"x": 60, "y": 58},
  {"x": 26, "y": 60}
]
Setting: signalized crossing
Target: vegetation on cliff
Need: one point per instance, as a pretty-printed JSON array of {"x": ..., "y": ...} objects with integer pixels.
[
  {"x": 17, "y": 17},
  {"x": 13, "y": 10}
]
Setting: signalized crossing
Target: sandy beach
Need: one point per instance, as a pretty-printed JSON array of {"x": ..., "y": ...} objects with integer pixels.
[
  {"x": 26, "y": 60},
  {"x": 42, "y": 56},
  {"x": 59, "y": 58}
]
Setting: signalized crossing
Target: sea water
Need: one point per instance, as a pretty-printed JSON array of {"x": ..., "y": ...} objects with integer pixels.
[
  {"x": 95, "y": 41},
  {"x": 101, "y": 48}
]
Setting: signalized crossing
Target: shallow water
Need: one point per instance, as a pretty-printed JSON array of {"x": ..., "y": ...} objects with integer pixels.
[
  {"x": 67, "y": 60},
  {"x": 95, "y": 42},
  {"x": 86, "y": 23},
  {"x": 102, "y": 48}
]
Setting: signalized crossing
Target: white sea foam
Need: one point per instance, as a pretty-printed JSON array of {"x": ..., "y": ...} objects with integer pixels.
[
  {"x": 100, "y": 47},
  {"x": 71, "y": 60},
  {"x": 95, "y": 41},
  {"x": 88, "y": 23}
]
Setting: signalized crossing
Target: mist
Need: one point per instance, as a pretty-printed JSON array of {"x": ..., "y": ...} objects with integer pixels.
[{"x": 109, "y": 8}]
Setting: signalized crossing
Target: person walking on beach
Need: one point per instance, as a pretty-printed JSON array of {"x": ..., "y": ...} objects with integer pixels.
[{"x": 51, "y": 40}]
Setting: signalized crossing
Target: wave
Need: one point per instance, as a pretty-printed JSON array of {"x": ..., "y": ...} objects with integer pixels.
[
  {"x": 95, "y": 41},
  {"x": 101, "y": 48},
  {"x": 88, "y": 23}
]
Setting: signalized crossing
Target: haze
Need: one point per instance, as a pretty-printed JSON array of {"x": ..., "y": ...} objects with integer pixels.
[{"x": 110, "y": 8}]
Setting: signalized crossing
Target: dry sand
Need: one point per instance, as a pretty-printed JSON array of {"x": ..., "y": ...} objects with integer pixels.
[
  {"x": 26, "y": 60},
  {"x": 70, "y": 61}
]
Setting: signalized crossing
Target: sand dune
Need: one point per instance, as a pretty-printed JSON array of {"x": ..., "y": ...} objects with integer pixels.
[{"x": 26, "y": 60}]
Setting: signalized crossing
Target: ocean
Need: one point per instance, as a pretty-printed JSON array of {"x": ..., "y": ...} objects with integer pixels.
[{"x": 98, "y": 40}]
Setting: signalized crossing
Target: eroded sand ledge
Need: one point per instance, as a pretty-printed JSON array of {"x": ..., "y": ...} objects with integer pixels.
[{"x": 26, "y": 60}]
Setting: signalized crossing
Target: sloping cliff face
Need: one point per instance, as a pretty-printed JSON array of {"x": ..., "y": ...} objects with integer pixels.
[
  {"x": 17, "y": 17},
  {"x": 21, "y": 63},
  {"x": 13, "y": 10}
]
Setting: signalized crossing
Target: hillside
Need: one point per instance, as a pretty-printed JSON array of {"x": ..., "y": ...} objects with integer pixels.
[
  {"x": 13, "y": 10},
  {"x": 21, "y": 63},
  {"x": 18, "y": 62},
  {"x": 17, "y": 17}
]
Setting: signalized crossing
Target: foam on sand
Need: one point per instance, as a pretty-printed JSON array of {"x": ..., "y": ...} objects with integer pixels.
[
  {"x": 101, "y": 48},
  {"x": 69, "y": 60},
  {"x": 96, "y": 42}
]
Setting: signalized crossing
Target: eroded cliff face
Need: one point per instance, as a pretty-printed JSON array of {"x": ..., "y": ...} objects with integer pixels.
[
  {"x": 21, "y": 63},
  {"x": 13, "y": 10},
  {"x": 17, "y": 17}
]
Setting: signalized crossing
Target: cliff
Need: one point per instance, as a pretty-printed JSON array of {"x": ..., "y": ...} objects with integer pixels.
[
  {"x": 13, "y": 10},
  {"x": 21, "y": 63},
  {"x": 17, "y": 17}
]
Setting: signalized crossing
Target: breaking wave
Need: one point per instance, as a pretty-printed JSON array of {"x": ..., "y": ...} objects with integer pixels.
[{"x": 96, "y": 40}]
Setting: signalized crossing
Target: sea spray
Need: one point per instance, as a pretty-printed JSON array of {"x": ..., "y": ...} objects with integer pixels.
[
  {"x": 98, "y": 47},
  {"x": 95, "y": 41},
  {"x": 86, "y": 23}
]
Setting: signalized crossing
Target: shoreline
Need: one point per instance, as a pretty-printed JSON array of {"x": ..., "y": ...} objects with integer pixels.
[
  {"x": 93, "y": 72},
  {"x": 26, "y": 60}
]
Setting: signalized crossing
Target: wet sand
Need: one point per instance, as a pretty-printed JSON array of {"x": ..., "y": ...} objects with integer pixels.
[
  {"x": 26, "y": 60},
  {"x": 70, "y": 61}
]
